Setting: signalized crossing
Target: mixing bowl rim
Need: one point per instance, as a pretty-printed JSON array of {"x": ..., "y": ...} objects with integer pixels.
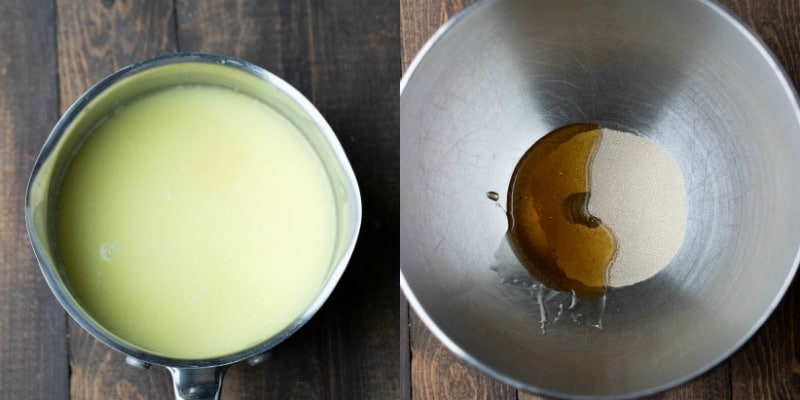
[{"x": 789, "y": 90}]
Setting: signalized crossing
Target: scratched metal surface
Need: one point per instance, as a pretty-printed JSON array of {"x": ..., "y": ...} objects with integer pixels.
[{"x": 682, "y": 74}]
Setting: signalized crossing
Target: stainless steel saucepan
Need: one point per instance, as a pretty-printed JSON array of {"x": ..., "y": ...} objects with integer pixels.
[{"x": 193, "y": 379}]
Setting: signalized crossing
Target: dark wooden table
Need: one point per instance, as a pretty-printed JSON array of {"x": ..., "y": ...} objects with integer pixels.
[
  {"x": 767, "y": 367},
  {"x": 344, "y": 55}
]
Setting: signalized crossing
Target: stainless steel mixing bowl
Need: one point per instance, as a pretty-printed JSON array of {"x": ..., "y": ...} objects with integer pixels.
[{"x": 685, "y": 74}]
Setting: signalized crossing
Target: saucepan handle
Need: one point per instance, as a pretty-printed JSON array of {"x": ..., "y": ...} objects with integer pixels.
[{"x": 197, "y": 383}]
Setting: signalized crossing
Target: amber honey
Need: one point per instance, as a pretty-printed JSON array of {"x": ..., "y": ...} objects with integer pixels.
[{"x": 550, "y": 228}]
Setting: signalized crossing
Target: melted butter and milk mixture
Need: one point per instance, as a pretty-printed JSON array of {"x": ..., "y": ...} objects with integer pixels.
[{"x": 196, "y": 222}]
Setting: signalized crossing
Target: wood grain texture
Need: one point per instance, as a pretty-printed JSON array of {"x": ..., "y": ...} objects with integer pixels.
[
  {"x": 97, "y": 372},
  {"x": 420, "y": 19},
  {"x": 405, "y": 348},
  {"x": 767, "y": 367},
  {"x": 33, "y": 345},
  {"x": 96, "y": 38},
  {"x": 714, "y": 384},
  {"x": 438, "y": 374},
  {"x": 344, "y": 56}
]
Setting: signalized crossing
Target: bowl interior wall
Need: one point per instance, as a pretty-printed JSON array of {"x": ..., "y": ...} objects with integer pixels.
[{"x": 680, "y": 73}]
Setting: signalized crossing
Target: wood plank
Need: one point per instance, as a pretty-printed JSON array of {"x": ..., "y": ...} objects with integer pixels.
[
  {"x": 97, "y": 372},
  {"x": 405, "y": 349},
  {"x": 528, "y": 396},
  {"x": 344, "y": 56},
  {"x": 98, "y": 38},
  {"x": 768, "y": 366},
  {"x": 33, "y": 344},
  {"x": 419, "y": 20},
  {"x": 438, "y": 374},
  {"x": 714, "y": 384},
  {"x": 95, "y": 39},
  {"x": 777, "y": 23}
]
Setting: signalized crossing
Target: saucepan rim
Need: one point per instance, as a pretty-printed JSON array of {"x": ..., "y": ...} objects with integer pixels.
[{"x": 58, "y": 287}]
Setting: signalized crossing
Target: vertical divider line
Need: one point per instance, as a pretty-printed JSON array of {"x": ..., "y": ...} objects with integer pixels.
[
  {"x": 730, "y": 377},
  {"x": 405, "y": 349},
  {"x": 59, "y": 107},
  {"x": 175, "y": 27}
]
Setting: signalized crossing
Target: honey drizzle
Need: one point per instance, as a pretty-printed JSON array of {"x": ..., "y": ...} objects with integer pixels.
[{"x": 550, "y": 228}]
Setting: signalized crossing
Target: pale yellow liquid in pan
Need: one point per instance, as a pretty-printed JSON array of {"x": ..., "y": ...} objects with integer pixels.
[{"x": 196, "y": 222}]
